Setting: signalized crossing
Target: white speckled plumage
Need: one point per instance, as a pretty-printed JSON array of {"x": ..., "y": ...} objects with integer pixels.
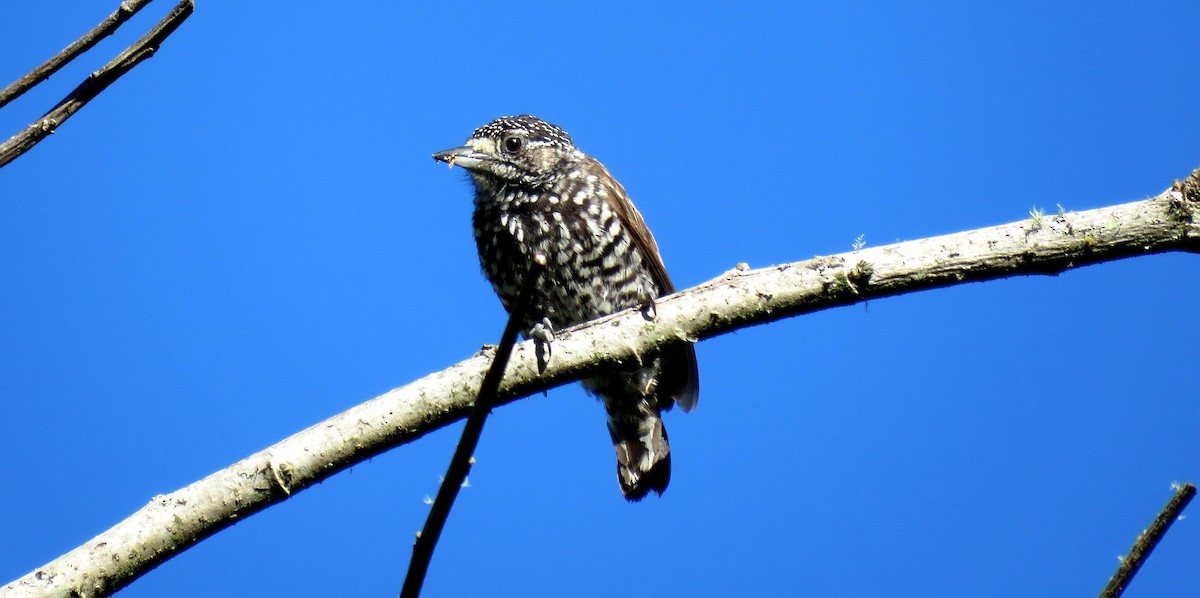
[{"x": 536, "y": 193}]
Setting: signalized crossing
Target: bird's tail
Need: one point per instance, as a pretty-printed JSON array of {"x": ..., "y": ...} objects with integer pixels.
[{"x": 643, "y": 453}]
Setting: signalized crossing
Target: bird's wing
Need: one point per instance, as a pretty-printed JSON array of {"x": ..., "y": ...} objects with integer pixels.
[
  {"x": 680, "y": 377},
  {"x": 619, "y": 201}
]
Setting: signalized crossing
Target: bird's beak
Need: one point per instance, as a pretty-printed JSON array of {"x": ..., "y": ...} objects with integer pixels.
[{"x": 465, "y": 156}]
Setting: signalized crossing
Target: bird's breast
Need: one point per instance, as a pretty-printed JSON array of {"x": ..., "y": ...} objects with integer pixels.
[{"x": 593, "y": 266}]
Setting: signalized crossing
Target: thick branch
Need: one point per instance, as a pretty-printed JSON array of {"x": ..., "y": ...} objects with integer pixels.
[
  {"x": 79, "y": 46},
  {"x": 95, "y": 83},
  {"x": 740, "y": 298}
]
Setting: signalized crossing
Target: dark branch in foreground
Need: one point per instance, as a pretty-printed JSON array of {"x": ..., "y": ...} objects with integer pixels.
[
  {"x": 1047, "y": 244},
  {"x": 1147, "y": 541},
  {"x": 460, "y": 464},
  {"x": 81, "y": 45},
  {"x": 95, "y": 83}
]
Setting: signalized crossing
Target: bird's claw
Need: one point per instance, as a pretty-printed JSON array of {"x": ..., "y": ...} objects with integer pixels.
[
  {"x": 649, "y": 306},
  {"x": 542, "y": 334}
]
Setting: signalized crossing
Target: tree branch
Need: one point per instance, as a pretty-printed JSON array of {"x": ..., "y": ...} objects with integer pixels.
[
  {"x": 95, "y": 83},
  {"x": 1039, "y": 245},
  {"x": 81, "y": 45},
  {"x": 1146, "y": 542}
]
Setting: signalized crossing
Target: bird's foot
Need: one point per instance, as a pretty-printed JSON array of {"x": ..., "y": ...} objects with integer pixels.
[
  {"x": 648, "y": 306},
  {"x": 542, "y": 334}
]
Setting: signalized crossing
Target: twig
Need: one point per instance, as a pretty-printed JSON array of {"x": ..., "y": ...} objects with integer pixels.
[
  {"x": 81, "y": 45},
  {"x": 1147, "y": 541},
  {"x": 460, "y": 464},
  {"x": 95, "y": 83}
]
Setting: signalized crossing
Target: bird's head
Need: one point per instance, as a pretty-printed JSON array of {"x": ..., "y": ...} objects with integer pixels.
[{"x": 513, "y": 149}]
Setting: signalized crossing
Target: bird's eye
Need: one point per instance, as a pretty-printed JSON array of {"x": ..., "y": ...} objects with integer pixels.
[{"x": 512, "y": 144}]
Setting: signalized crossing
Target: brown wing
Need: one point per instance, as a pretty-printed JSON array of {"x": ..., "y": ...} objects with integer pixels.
[{"x": 680, "y": 377}]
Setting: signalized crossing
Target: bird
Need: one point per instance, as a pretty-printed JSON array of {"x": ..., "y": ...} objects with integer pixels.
[{"x": 537, "y": 194}]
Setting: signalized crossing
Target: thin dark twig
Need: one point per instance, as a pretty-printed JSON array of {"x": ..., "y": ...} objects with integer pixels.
[
  {"x": 460, "y": 464},
  {"x": 79, "y": 46},
  {"x": 95, "y": 83},
  {"x": 1147, "y": 541}
]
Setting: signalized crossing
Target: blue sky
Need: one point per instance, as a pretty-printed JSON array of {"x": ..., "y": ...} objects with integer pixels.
[{"x": 247, "y": 235}]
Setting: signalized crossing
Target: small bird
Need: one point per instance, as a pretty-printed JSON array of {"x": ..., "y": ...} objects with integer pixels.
[{"x": 537, "y": 194}]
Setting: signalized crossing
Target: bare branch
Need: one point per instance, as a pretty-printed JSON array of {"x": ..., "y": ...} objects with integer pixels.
[
  {"x": 95, "y": 83},
  {"x": 740, "y": 298},
  {"x": 81, "y": 45},
  {"x": 1147, "y": 541}
]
